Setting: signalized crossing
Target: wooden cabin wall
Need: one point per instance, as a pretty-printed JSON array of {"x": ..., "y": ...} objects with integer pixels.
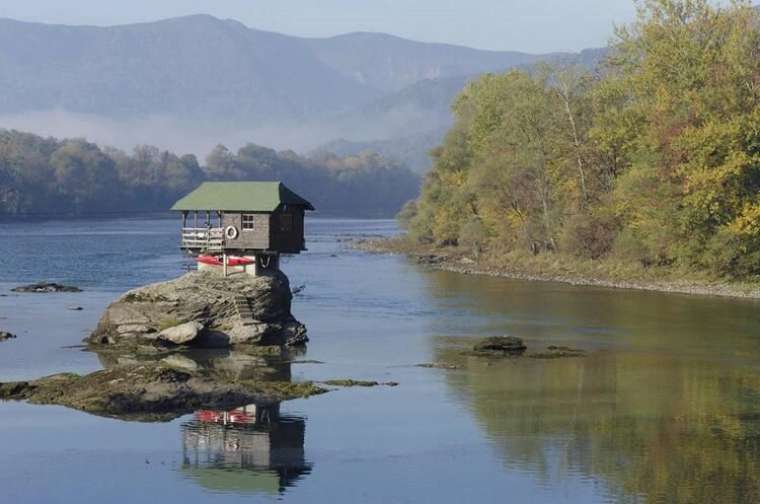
[
  {"x": 288, "y": 242},
  {"x": 253, "y": 239}
]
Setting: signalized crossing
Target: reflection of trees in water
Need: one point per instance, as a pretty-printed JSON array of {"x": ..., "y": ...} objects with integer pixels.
[
  {"x": 251, "y": 449},
  {"x": 671, "y": 428},
  {"x": 565, "y": 313},
  {"x": 675, "y": 417}
]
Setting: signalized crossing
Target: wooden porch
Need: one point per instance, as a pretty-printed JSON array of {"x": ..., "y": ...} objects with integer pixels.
[{"x": 206, "y": 239}]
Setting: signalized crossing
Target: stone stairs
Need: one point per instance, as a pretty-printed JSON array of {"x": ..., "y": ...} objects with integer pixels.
[
  {"x": 241, "y": 304},
  {"x": 243, "y": 308}
]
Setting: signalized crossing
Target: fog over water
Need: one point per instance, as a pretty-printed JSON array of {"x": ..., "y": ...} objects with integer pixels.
[{"x": 184, "y": 136}]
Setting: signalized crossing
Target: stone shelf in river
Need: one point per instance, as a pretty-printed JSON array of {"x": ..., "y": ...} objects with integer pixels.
[{"x": 201, "y": 309}]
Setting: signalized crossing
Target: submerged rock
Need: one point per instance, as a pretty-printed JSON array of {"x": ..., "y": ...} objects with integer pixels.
[
  {"x": 510, "y": 346},
  {"x": 348, "y": 382},
  {"x": 178, "y": 361},
  {"x": 298, "y": 290},
  {"x": 157, "y": 390},
  {"x": 500, "y": 345},
  {"x": 557, "y": 352},
  {"x": 46, "y": 287},
  {"x": 5, "y": 335},
  {"x": 438, "y": 365},
  {"x": 203, "y": 309}
]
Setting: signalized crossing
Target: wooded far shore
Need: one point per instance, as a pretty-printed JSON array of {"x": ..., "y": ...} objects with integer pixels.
[{"x": 48, "y": 177}]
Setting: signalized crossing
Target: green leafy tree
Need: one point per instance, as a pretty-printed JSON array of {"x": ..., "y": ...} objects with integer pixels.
[{"x": 653, "y": 159}]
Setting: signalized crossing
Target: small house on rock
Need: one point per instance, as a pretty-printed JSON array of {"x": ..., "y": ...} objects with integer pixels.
[{"x": 242, "y": 226}]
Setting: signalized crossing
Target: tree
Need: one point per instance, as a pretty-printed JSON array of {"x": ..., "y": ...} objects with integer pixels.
[
  {"x": 655, "y": 159},
  {"x": 83, "y": 174}
]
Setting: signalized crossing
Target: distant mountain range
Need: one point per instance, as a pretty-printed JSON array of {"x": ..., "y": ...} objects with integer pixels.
[{"x": 192, "y": 82}]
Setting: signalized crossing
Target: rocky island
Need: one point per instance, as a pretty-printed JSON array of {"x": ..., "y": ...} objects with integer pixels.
[
  {"x": 215, "y": 338},
  {"x": 203, "y": 310},
  {"x": 160, "y": 346}
]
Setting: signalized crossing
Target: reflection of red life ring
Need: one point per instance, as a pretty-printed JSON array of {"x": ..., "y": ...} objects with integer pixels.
[
  {"x": 231, "y": 232},
  {"x": 224, "y": 417},
  {"x": 209, "y": 416},
  {"x": 241, "y": 417}
]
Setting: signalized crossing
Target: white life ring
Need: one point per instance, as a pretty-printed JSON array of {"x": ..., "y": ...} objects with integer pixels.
[{"x": 231, "y": 232}]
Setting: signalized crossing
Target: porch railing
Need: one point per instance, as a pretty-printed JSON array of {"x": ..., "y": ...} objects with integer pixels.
[{"x": 208, "y": 239}]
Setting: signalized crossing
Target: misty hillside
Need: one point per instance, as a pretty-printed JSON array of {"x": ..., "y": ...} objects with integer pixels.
[
  {"x": 402, "y": 126},
  {"x": 411, "y": 150},
  {"x": 196, "y": 66},
  {"x": 429, "y": 99},
  {"x": 192, "y": 82},
  {"x": 406, "y": 124},
  {"x": 390, "y": 63},
  {"x": 205, "y": 67}
]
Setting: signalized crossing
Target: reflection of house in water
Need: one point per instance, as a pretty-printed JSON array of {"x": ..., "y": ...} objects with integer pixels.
[{"x": 251, "y": 449}]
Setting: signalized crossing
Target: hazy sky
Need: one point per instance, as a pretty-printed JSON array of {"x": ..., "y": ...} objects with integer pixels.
[{"x": 524, "y": 25}]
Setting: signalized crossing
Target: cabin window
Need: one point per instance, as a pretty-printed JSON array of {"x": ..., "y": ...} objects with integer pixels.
[
  {"x": 286, "y": 222},
  {"x": 248, "y": 222}
]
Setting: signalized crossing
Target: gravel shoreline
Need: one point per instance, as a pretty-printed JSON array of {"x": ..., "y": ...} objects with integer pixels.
[
  {"x": 468, "y": 266},
  {"x": 692, "y": 288}
]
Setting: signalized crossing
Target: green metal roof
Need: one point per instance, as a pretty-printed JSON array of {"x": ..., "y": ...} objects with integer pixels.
[
  {"x": 241, "y": 197},
  {"x": 235, "y": 479}
]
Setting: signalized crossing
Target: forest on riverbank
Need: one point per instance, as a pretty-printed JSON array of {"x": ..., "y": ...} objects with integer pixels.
[
  {"x": 47, "y": 177},
  {"x": 652, "y": 161}
]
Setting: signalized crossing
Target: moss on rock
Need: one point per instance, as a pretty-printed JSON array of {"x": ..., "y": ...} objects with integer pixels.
[{"x": 153, "y": 391}]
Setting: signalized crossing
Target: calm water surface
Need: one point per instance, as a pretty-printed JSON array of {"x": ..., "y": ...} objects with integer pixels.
[{"x": 665, "y": 408}]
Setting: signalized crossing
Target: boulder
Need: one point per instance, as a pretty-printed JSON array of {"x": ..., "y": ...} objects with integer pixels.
[
  {"x": 134, "y": 328},
  {"x": 5, "y": 335},
  {"x": 181, "y": 334},
  {"x": 204, "y": 309},
  {"x": 294, "y": 333},
  {"x": 500, "y": 344}
]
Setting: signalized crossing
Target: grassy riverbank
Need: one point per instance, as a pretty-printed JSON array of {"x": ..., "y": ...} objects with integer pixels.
[{"x": 564, "y": 269}]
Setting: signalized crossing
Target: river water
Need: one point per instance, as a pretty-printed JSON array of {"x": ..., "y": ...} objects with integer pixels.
[{"x": 664, "y": 408}]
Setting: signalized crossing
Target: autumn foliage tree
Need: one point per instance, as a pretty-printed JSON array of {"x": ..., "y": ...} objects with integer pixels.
[{"x": 652, "y": 158}]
